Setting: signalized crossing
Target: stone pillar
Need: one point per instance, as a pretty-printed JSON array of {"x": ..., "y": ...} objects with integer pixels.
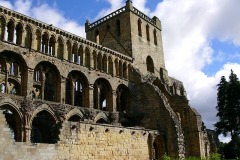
[
  {"x": 114, "y": 105},
  {"x": 43, "y": 79},
  {"x": 91, "y": 95},
  {"x": 6, "y": 77},
  {"x": 63, "y": 90},
  {"x": 24, "y": 34},
  {"x": 30, "y": 82},
  {"x": 54, "y": 49},
  {"x": 26, "y": 131},
  {"x": 129, "y": 5},
  {"x": 72, "y": 91}
]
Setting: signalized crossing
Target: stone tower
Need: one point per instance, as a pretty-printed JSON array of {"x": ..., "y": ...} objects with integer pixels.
[{"x": 131, "y": 32}]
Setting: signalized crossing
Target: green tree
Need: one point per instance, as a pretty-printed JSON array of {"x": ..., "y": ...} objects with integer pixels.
[{"x": 228, "y": 106}]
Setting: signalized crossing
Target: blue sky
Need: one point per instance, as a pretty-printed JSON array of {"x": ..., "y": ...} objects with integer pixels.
[{"x": 201, "y": 39}]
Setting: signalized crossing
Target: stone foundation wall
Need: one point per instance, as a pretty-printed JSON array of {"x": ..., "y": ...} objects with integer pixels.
[{"x": 79, "y": 141}]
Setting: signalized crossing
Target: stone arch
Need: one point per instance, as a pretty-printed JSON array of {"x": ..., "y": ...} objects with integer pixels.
[
  {"x": 125, "y": 70},
  {"x": 87, "y": 57},
  {"x": 38, "y": 35},
  {"x": 155, "y": 36},
  {"x": 139, "y": 27},
  {"x": 147, "y": 32},
  {"x": 45, "y": 43},
  {"x": 123, "y": 98},
  {"x": 18, "y": 33},
  {"x": 110, "y": 65},
  {"x": 77, "y": 89},
  {"x": 74, "y": 57},
  {"x": 104, "y": 63},
  {"x": 80, "y": 55},
  {"x": 15, "y": 64},
  {"x": 9, "y": 31},
  {"x": 28, "y": 37},
  {"x": 120, "y": 68},
  {"x": 150, "y": 64},
  {"x": 50, "y": 81},
  {"x": 43, "y": 124},
  {"x": 75, "y": 114},
  {"x": 14, "y": 119},
  {"x": 94, "y": 59},
  {"x": 116, "y": 63},
  {"x": 52, "y": 45},
  {"x": 103, "y": 99},
  {"x": 101, "y": 118},
  {"x": 60, "y": 49},
  {"x": 2, "y": 26},
  {"x": 69, "y": 50}
]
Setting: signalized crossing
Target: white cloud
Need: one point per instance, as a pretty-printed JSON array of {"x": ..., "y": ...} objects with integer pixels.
[
  {"x": 188, "y": 29},
  {"x": 47, "y": 14}
]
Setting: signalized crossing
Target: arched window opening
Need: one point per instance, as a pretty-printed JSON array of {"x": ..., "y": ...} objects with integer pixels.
[
  {"x": 10, "y": 31},
  {"x": 43, "y": 130},
  {"x": 97, "y": 36},
  {"x": 102, "y": 95},
  {"x": 28, "y": 38},
  {"x": 104, "y": 64},
  {"x": 125, "y": 73},
  {"x": 77, "y": 89},
  {"x": 2, "y": 66},
  {"x": 120, "y": 69},
  {"x": 110, "y": 66},
  {"x": 18, "y": 32},
  {"x": 14, "y": 121},
  {"x": 74, "y": 53},
  {"x": 46, "y": 82},
  {"x": 45, "y": 40},
  {"x": 147, "y": 32},
  {"x": 118, "y": 28},
  {"x": 87, "y": 58},
  {"x": 75, "y": 118},
  {"x": 123, "y": 99},
  {"x": 116, "y": 67},
  {"x": 38, "y": 40},
  {"x": 155, "y": 36},
  {"x": 52, "y": 43},
  {"x": 69, "y": 50},
  {"x": 140, "y": 27},
  {"x": 80, "y": 56},
  {"x": 150, "y": 64},
  {"x": 94, "y": 60},
  {"x": 2, "y": 27},
  {"x": 60, "y": 48},
  {"x": 99, "y": 62}
]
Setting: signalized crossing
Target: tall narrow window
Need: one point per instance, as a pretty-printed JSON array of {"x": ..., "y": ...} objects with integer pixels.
[
  {"x": 150, "y": 64},
  {"x": 28, "y": 38},
  {"x": 147, "y": 32},
  {"x": 18, "y": 32},
  {"x": 118, "y": 28},
  {"x": 97, "y": 36},
  {"x": 155, "y": 36},
  {"x": 140, "y": 27}
]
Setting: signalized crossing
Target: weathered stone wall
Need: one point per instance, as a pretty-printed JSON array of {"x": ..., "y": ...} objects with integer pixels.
[{"x": 79, "y": 141}]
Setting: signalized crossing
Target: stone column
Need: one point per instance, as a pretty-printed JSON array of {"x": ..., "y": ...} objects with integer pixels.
[
  {"x": 43, "y": 79},
  {"x": 6, "y": 77},
  {"x": 91, "y": 95},
  {"x": 63, "y": 89},
  {"x": 30, "y": 82},
  {"x": 72, "y": 91},
  {"x": 114, "y": 105}
]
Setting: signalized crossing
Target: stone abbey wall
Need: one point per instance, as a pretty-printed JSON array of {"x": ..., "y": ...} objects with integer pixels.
[{"x": 105, "y": 97}]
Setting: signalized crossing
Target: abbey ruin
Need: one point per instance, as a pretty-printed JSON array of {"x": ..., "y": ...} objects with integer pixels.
[{"x": 108, "y": 96}]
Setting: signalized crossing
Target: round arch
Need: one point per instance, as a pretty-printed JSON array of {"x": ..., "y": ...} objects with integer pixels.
[
  {"x": 48, "y": 81},
  {"x": 150, "y": 64},
  {"x": 77, "y": 89},
  {"x": 101, "y": 118},
  {"x": 74, "y": 115},
  {"x": 103, "y": 99},
  {"x": 14, "y": 119}
]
